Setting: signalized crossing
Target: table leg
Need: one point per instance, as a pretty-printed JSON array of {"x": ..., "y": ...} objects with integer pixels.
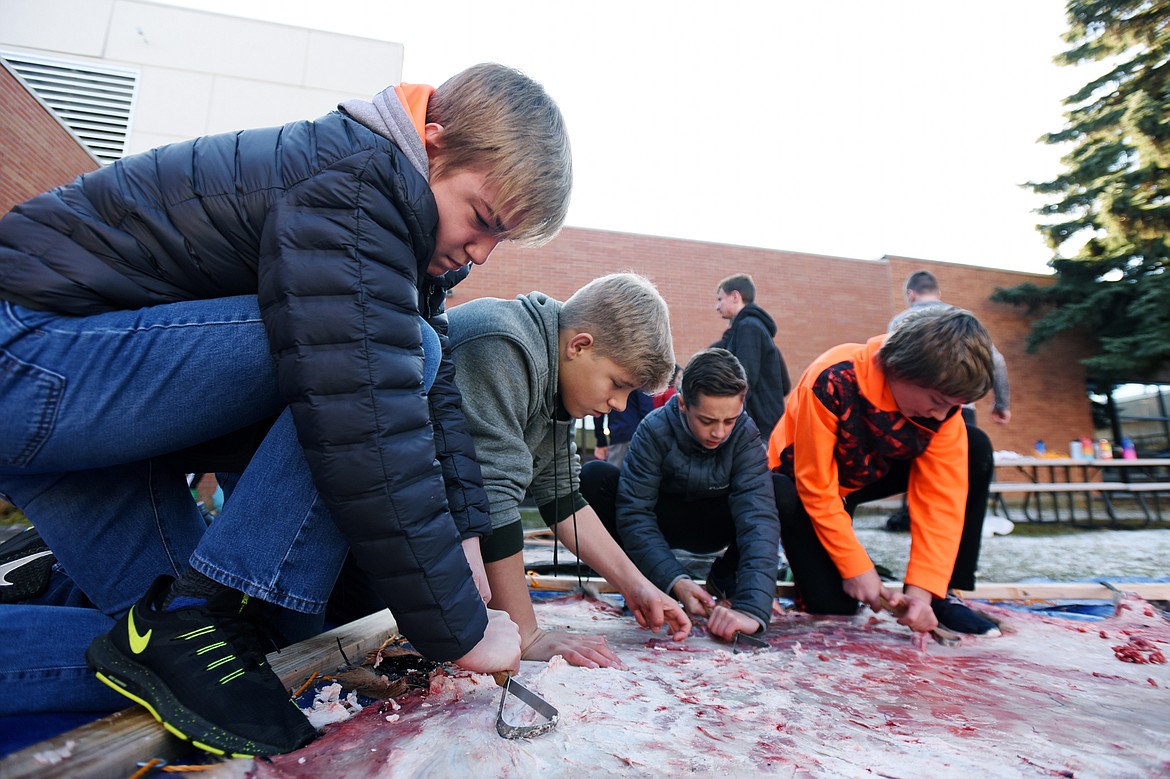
[
  {"x": 1141, "y": 499},
  {"x": 998, "y": 504},
  {"x": 1108, "y": 508}
]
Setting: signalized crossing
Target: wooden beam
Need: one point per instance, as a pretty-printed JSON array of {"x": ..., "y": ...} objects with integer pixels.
[
  {"x": 1066, "y": 591},
  {"x": 991, "y": 591},
  {"x": 114, "y": 745}
]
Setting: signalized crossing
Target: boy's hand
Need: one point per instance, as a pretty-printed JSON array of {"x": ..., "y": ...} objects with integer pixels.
[
  {"x": 696, "y": 600},
  {"x": 582, "y": 649},
  {"x": 478, "y": 574},
  {"x": 868, "y": 589},
  {"x": 498, "y": 650},
  {"x": 913, "y": 609},
  {"x": 600, "y": 452},
  {"x": 652, "y": 608},
  {"x": 725, "y": 622}
]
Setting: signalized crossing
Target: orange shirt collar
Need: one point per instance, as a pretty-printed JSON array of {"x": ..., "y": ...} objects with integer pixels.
[
  {"x": 414, "y": 98},
  {"x": 870, "y": 379}
]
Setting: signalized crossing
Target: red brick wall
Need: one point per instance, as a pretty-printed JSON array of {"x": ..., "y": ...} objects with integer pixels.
[
  {"x": 818, "y": 302},
  {"x": 36, "y": 152}
]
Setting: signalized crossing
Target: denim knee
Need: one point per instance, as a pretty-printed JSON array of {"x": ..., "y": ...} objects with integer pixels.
[{"x": 32, "y": 396}]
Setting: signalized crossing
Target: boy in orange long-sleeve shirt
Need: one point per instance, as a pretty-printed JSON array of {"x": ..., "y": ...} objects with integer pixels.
[{"x": 872, "y": 420}]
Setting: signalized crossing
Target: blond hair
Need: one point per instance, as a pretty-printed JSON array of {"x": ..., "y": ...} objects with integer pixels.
[
  {"x": 943, "y": 348},
  {"x": 630, "y": 324},
  {"x": 503, "y": 124}
]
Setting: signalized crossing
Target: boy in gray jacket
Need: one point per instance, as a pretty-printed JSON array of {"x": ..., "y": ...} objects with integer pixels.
[
  {"x": 696, "y": 478},
  {"x": 527, "y": 369}
]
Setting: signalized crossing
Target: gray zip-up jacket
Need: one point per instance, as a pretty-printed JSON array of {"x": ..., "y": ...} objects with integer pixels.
[
  {"x": 505, "y": 354},
  {"x": 665, "y": 459}
]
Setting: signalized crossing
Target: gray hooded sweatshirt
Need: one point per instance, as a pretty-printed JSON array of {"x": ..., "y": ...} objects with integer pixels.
[{"x": 505, "y": 354}]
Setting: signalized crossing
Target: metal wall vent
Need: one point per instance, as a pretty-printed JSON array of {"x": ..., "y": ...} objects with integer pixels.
[{"x": 94, "y": 101}]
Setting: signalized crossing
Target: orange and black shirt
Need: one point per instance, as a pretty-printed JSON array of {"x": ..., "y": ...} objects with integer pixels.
[{"x": 841, "y": 431}]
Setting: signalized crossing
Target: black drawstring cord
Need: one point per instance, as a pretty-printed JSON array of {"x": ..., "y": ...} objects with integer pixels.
[
  {"x": 569, "y": 464},
  {"x": 556, "y": 498},
  {"x": 556, "y": 480}
]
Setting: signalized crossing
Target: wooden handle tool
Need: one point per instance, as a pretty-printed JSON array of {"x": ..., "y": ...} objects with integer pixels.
[{"x": 939, "y": 634}]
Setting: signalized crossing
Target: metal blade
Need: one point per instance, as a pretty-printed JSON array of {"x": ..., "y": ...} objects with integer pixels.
[
  {"x": 529, "y": 698},
  {"x": 745, "y": 643}
]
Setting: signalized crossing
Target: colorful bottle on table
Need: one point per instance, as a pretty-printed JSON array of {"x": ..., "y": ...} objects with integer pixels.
[
  {"x": 1074, "y": 449},
  {"x": 1041, "y": 449},
  {"x": 1086, "y": 447},
  {"x": 1106, "y": 449},
  {"x": 1128, "y": 451}
]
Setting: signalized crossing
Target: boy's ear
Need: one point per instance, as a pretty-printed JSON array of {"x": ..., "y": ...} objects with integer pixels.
[
  {"x": 433, "y": 138},
  {"x": 578, "y": 345}
]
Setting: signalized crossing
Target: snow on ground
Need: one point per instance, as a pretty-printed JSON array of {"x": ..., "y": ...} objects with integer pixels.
[{"x": 1078, "y": 554}]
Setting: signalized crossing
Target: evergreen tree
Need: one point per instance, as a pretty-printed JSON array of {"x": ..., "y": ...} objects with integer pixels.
[{"x": 1114, "y": 196}]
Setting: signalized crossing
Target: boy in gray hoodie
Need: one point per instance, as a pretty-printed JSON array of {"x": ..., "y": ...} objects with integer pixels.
[{"x": 527, "y": 369}]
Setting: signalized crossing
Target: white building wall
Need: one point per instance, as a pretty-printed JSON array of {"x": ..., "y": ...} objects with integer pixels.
[{"x": 200, "y": 72}]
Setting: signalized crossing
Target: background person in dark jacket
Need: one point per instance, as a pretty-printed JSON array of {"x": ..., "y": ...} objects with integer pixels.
[
  {"x": 750, "y": 339},
  {"x": 614, "y": 429},
  {"x": 204, "y": 287},
  {"x": 696, "y": 478}
]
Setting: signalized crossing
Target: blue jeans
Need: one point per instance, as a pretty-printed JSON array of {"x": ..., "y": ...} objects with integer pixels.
[{"x": 91, "y": 407}]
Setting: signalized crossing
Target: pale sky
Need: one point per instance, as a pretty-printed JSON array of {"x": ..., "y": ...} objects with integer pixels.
[{"x": 853, "y": 128}]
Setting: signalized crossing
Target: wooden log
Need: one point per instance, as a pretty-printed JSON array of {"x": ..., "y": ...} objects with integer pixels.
[{"x": 112, "y": 746}]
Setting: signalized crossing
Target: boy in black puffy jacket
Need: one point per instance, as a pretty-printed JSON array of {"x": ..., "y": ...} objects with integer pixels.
[
  {"x": 285, "y": 286},
  {"x": 696, "y": 478}
]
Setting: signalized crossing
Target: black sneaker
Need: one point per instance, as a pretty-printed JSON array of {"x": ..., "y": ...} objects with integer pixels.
[
  {"x": 201, "y": 672},
  {"x": 26, "y": 563},
  {"x": 899, "y": 521},
  {"x": 721, "y": 587},
  {"x": 958, "y": 616}
]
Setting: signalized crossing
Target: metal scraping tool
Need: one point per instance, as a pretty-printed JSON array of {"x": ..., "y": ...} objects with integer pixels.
[
  {"x": 745, "y": 643},
  {"x": 529, "y": 698}
]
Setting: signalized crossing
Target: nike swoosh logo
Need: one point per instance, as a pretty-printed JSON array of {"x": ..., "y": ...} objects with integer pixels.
[
  {"x": 9, "y": 567},
  {"x": 138, "y": 642}
]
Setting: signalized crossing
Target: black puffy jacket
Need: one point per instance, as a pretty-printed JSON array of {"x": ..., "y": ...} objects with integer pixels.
[
  {"x": 750, "y": 339},
  {"x": 330, "y": 225},
  {"x": 665, "y": 459}
]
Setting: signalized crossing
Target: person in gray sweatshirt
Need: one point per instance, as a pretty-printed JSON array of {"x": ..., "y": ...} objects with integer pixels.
[{"x": 528, "y": 368}]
